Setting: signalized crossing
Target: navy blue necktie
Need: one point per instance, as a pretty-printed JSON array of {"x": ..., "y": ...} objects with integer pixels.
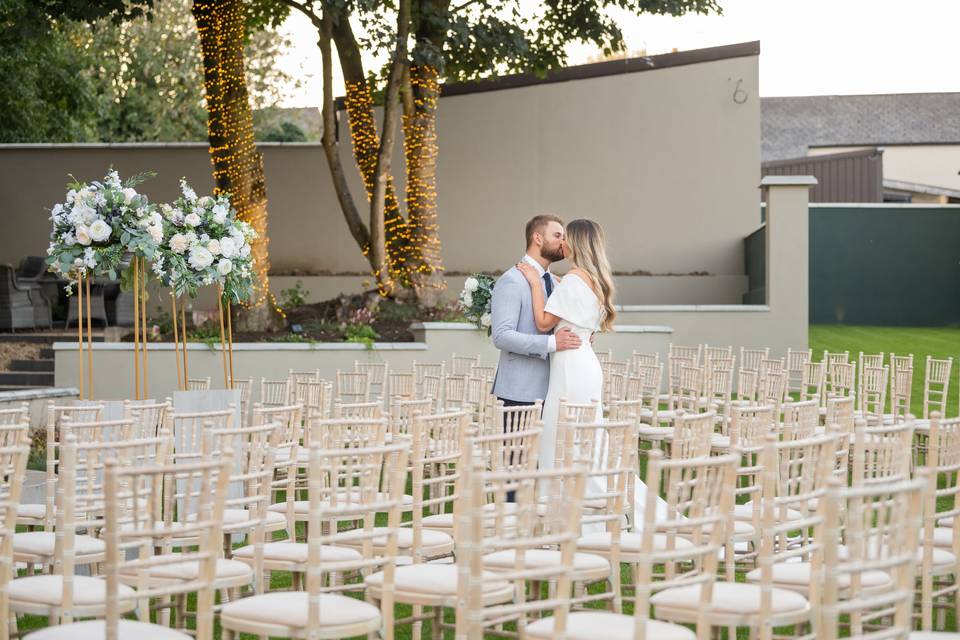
[{"x": 548, "y": 281}]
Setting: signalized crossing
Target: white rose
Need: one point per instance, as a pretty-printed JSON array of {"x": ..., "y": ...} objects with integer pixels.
[
  {"x": 228, "y": 248},
  {"x": 200, "y": 258},
  {"x": 485, "y": 320},
  {"x": 192, "y": 219},
  {"x": 205, "y": 201},
  {"x": 99, "y": 231},
  {"x": 471, "y": 284},
  {"x": 224, "y": 266},
  {"x": 83, "y": 236},
  {"x": 82, "y": 213},
  {"x": 214, "y": 247},
  {"x": 179, "y": 243},
  {"x": 467, "y": 299},
  {"x": 156, "y": 219},
  {"x": 156, "y": 233},
  {"x": 129, "y": 194},
  {"x": 68, "y": 239}
]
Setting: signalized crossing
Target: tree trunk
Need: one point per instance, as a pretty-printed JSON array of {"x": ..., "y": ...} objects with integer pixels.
[
  {"x": 382, "y": 175},
  {"x": 366, "y": 145},
  {"x": 420, "y": 150},
  {"x": 237, "y": 164}
]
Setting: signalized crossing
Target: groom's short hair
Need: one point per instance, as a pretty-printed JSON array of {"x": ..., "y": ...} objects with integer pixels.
[{"x": 538, "y": 223}]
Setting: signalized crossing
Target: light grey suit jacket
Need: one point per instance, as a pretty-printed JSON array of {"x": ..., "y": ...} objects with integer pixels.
[{"x": 523, "y": 372}]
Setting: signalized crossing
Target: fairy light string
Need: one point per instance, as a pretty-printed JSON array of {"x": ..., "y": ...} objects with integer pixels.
[
  {"x": 237, "y": 164},
  {"x": 420, "y": 153}
]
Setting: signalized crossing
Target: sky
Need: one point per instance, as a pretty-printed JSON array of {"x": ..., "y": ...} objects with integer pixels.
[{"x": 807, "y": 47}]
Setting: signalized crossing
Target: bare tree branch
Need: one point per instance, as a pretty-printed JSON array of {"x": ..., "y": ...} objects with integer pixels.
[{"x": 329, "y": 140}]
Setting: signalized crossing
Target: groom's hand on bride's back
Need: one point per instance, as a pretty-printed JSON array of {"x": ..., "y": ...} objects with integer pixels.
[{"x": 567, "y": 339}]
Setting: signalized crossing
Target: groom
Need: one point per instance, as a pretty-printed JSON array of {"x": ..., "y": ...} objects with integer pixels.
[{"x": 523, "y": 372}]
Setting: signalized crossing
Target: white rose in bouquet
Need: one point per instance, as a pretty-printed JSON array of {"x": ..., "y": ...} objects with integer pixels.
[
  {"x": 200, "y": 258},
  {"x": 99, "y": 231},
  {"x": 192, "y": 219},
  {"x": 224, "y": 266},
  {"x": 83, "y": 236},
  {"x": 467, "y": 299},
  {"x": 485, "y": 320},
  {"x": 129, "y": 194},
  {"x": 179, "y": 243},
  {"x": 205, "y": 201},
  {"x": 228, "y": 247},
  {"x": 214, "y": 247},
  {"x": 471, "y": 284},
  {"x": 156, "y": 233},
  {"x": 244, "y": 251}
]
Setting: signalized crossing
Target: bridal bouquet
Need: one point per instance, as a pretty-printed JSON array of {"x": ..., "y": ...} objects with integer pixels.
[
  {"x": 100, "y": 224},
  {"x": 475, "y": 298},
  {"x": 204, "y": 244}
]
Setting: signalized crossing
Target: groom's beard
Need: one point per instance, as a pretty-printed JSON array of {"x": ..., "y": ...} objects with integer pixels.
[{"x": 555, "y": 255}]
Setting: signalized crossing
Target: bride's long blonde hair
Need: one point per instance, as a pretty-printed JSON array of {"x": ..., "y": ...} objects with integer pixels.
[{"x": 588, "y": 252}]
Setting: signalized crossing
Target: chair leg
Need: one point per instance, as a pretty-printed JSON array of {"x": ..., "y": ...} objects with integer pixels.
[
  {"x": 437, "y": 626},
  {"x": 417, "y": 630}
]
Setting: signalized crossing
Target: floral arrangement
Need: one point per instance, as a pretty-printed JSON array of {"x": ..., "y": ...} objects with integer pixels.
[
  {"x": 475, "y": 298},
  {"x": 204, "y": 244},
  {"x": 100, "y": 225}
]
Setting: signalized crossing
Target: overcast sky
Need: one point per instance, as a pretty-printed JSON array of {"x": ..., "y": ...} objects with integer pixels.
[{"x": 807, "y": 47}]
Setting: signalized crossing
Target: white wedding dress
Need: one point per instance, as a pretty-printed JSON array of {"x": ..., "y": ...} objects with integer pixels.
[{"x": 576, "y": 376}]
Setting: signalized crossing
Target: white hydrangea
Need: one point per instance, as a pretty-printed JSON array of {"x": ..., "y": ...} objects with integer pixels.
[
  {"x": 471, "y": 284},
  {"x": 467, "y": 299},
  {"x": 220, "y": 213},
  {"x": 200, "y": 258}
]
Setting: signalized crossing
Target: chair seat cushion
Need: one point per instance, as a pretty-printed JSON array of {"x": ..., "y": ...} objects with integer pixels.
[
  {"x": 239, "y": 516},
  {"x": 745, "y": 512},
  {"x": 629, "y": 542},
  {"x": 543, "y": 558},
  {"x": 97, "y": 630},
  {"x": 302, "y": 507},
  {"x": 48, "y": 590},
  {"x": 297, "y": 552},
  {"x": 942, "y": 537},
  {"x": 798, "y": 574},
  {"x": 434, "y": 579},
  {"x": 730, "y": 597},
  {"x": 290, "y": 609},
  {"x": 32, "y": 510},
  {"x": 590, "y": 625},
  {"x": 190, "y": 570},
  {"x": 42, "y": 543},
  {"x": 431, "y": 540}
]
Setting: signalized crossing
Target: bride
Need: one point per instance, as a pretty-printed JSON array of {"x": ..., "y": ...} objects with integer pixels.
[{"x": 582, "y": 302}]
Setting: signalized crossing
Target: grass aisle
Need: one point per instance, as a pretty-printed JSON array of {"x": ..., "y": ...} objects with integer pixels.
[{"x": 937, "y": 342}]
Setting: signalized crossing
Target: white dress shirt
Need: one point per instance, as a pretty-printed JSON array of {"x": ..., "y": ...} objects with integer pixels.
[{"x": 551, "y": 339}]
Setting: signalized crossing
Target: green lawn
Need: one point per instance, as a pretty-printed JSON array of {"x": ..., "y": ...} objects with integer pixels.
[{"x": 920, "y": 341}]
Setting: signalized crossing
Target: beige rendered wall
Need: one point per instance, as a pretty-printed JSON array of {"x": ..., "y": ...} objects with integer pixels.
[
  {"x": 664, "y": 159},
  {"x": 930, "y": 164}
]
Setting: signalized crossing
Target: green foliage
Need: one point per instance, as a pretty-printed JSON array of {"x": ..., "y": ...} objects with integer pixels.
[
  {"x": 285, "y": 131},
  {"x": 115, "y": 71},
  {"x": 362, "y": 333},
  {"x": 295, "y": 296}
]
